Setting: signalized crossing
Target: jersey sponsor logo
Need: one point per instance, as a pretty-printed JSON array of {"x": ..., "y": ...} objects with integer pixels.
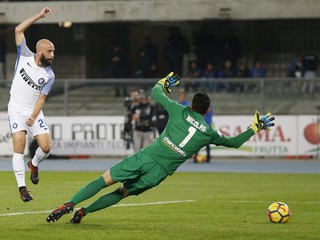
[
  {"x": 28, "y": 80},
  {"x": 196, "y": 124},
  {"x": 174, "y": 147}
]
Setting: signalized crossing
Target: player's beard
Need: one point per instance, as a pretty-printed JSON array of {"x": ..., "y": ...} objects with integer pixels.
[{"x": 46, "y": 61}]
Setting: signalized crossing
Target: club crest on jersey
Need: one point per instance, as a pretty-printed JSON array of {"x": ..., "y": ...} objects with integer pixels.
[
  {"x": 28, "y": 80},
  {"x": 41, "y": 81}
]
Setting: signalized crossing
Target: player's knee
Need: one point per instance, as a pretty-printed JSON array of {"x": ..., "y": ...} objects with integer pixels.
[{"x": 46, "y": 149}]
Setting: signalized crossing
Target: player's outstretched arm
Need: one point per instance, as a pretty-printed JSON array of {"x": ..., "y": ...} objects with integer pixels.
[
  {"x": 263, "y": 123},
  {"x": 162, "y": 87},
  {"x": 19, "y": 30},
  {"x": 259, "y": 124},
  {"x": 169, "y": 81}
]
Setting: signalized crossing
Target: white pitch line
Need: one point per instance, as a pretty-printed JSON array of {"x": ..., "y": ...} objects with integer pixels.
[
  {"x": 244, "y": 201},
  {"x": 23, "y": 213},
  {"x": 152, "y": 203},
  {"x": 162, "y": 203},
  {"x": 119, "y": 205}
]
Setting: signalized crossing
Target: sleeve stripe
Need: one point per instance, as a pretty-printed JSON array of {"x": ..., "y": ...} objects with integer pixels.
[{"x": 18, "y": 59}]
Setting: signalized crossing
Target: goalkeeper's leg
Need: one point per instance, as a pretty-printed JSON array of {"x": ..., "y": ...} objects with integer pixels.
[
  {"x": 88, "y": 191},
  {"x": 130, "y": 187},
  {"x": 106, "y": 201}
]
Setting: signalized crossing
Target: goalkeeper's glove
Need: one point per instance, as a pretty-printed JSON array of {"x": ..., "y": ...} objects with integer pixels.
[
  {"x": 169, "y": 81},
  {"x": 263, "y": 123}
]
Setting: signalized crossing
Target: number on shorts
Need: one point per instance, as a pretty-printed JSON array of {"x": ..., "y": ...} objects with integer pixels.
[
  {"x": 192, "y": 131},
  {"x": 41, "y": 123}
]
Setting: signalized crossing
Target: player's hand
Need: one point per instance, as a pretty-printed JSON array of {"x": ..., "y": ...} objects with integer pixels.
[
  {"x": 263, "y": 123},
  {"x": 169, "y": 81},
  {"x": 30, "y": 121},
  {"x": 44, "y": 12}
]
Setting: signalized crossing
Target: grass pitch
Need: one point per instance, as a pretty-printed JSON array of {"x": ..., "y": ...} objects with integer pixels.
[{"x": 217, "y": 206}]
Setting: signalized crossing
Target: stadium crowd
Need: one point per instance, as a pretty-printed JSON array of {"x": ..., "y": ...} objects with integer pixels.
[{"x": 204, "y": 57}]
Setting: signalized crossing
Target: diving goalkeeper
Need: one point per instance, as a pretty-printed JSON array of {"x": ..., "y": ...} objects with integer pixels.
[{"x": 186, "y": 132}]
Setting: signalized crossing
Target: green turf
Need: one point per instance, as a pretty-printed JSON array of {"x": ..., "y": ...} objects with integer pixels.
[{"x": 226, "y": 206}]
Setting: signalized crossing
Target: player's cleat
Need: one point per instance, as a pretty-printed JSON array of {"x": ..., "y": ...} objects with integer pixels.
[
  {"x": 34, "y": 176},
  {"x": 77, "y": 216},
  {"x": 24, "y": 194},
  {"x": 59, "y": 212}
]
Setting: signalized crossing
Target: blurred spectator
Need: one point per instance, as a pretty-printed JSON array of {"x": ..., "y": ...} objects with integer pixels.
[
  {"x": 175, "y": 45},
  {"x": 210, "y": 73},
  {"x": 143, "y": 113},
  {"x": 208, "y": 120},
  {"x": 118, "y": 68},
  {"x": 228, "y": 72},
  {"x": 193, "y": 72},
  {"x": 242, "y": 72},
  {"x": 148, "y": 58},
  {"x": 130, "y": 103},
  {"x": 310, "y": 64},
  {"x": 183, "y": 98},
  {"x": 161, "y": 118},
  {"x": 258, "y": 71},
  {"x": 295, "y": 67},
  {"x": 118, "y": 63},
  {"x": 135, "y": 99},
  {"x": 232, "y": 50},
  {"x": 204, "y": 42}
]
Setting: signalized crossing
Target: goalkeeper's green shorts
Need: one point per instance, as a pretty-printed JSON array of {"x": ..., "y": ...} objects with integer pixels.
[{"x": 138, "y": 173}]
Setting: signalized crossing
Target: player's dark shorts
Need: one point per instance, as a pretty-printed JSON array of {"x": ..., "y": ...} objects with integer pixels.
[{"x": 138, "y": 173}]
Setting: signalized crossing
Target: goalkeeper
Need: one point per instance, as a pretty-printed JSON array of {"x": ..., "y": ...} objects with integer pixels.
[{"x": 185, "y": 133}]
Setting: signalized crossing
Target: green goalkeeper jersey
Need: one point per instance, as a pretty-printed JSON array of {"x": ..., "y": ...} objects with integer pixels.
[{"x": 186, "y": 132}]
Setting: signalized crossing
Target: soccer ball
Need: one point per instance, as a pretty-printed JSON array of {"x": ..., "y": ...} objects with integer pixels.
[
  {"x": 201, "y": 158},
  {"x": 279, "y": 212}
]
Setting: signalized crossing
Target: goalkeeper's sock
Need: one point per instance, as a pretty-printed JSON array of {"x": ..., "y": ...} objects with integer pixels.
[
  {"x": 88, "y": 191},
  {"x": 105, "y": 201}
]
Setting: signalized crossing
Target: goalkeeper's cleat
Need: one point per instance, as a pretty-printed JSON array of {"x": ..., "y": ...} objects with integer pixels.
[
  {"x": 24, "y": 194},
  {"x": 59, "y": 212},
  {"x": 77, "y": 216},
  {"x": 34, "y": 175}
]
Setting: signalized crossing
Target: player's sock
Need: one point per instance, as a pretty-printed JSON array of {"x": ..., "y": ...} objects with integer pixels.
[
  {"x": 19, "y": 169},
  {"x": 39, "y": 156},
  {"x": 105, "y": 201},
  {"x": 88, "y": 191}
]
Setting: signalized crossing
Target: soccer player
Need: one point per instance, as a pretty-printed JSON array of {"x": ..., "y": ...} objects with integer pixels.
[
  {"x": 185, "y": 133},
  {"x": 32, "y": 81}
]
